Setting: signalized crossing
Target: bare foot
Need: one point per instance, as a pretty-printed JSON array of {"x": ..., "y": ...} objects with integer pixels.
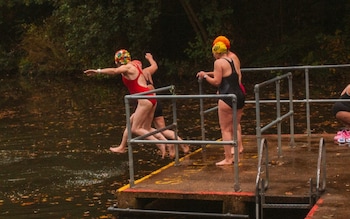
[
  {"x": 224, "y": 162},
  {"x": 233, "y": 150},
  {"x": 119, "y": 149},
  {"x": 185, "y": 148},
  {"x": 171, "y": 150},
  {"x": 162, "y": 150}
]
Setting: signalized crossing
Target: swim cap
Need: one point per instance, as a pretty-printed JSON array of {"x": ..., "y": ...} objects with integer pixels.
[
  {"x": 137, "y": 62},
  {"x": 219, "y": 48},
  {"x": 122, "y": 57},
  {"x": 224, "y": 40}
]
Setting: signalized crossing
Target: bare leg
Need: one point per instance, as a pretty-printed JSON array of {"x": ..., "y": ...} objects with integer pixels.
[
  {"x": 122, "y": 147},
  {"x": 239, "y": 133},
  {"x": 170, "y": 147},
  {"x": 225, "y": 120},
  {"x": 344, "y": 117},
  {"x": 143, "y": 117},
  {"x": 159, "y": 122}
]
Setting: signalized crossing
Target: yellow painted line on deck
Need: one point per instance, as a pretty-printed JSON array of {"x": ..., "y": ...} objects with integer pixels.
[{"x": 158, "y": 171}]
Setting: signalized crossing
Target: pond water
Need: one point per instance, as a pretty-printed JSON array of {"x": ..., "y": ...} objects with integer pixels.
[
  {"x": 54, "y": 146},
  {"x": 55, "y": 135}
]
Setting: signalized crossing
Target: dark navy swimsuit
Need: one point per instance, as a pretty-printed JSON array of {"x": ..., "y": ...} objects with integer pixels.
[
  {"x": 230, "y": 85},
  {"x": 341, "y": 106}
]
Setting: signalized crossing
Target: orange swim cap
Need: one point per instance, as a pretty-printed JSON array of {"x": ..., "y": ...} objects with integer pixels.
[
  {"x": 122, "y": 57},
  {"x": 224, "y": 40},
  {"x": 219, "y": 48}
]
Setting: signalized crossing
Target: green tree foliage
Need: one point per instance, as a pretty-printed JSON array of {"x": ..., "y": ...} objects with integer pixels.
[
  {"x": 89, "y": 32},
  {"x": 14, "y": 17},
  {"x": 56, "y": 36}
]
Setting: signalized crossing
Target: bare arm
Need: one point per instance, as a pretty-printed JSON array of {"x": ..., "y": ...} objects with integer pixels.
[
  {"x": 214, "y": 77},
  {"x": 153, "y": 64},
  {"x": 346, "y": 90},
  {"x": 108, "y": 71}
]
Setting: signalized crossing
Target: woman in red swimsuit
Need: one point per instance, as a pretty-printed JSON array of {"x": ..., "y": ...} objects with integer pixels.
[
  {"x": 158, "y": 119},
  {"x": 134, "y": 80}
]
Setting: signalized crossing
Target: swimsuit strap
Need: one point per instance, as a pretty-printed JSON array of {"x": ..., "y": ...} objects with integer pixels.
[{"x": 231, "y": 64}]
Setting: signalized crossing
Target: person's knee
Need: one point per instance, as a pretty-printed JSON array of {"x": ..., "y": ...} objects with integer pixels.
[{"x": 343, "y": 116}]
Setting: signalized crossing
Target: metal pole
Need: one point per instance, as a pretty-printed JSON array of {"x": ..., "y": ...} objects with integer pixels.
[
  {"x": 257, "y": 114},
  {"x": 236, "y": 185},
  {"x": 201, "y": 111},
  {"x": 177, "y": 162},
  {"x": 291, "y": 109},
  {"x": 278, "y": 109},
  {"x": 307, "y": 97},
  {"x": 128, "y": 127}
]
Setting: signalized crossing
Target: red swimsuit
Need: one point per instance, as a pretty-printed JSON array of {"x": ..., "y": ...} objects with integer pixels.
[{"x": 134, "y": 87}]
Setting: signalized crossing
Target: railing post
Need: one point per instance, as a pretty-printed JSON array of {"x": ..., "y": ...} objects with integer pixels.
[
  {"x": 307, "y": 97},
  {"x": 130, "y": 154},
  {"x": 236, "y": 185},
  {"x": 257, "y": 113},
  {"x": 201, "y": 111},
  {"x": 291, "y": 109},
  {"x": 278, "y": 109},
  {"x": 177, "y": 162}
]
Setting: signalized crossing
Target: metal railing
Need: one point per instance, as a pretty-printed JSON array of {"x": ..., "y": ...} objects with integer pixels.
[
  {"x": 307, "y": 100},
  {"x": 174, "y": 98},
  {"x": 260, "y": 180},
  {"x": 279, "y": 117},
  {"x": 278, "y": 101},
  {"x": 155, "y": 213}
]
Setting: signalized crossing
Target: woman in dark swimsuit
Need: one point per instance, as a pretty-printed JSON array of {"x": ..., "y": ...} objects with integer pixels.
[
  {"x": 237, "y": 66},
  {"x": 227, "y": 79}
]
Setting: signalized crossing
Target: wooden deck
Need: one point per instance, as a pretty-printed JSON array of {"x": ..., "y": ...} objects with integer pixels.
[{"x": 197, "y": 183}]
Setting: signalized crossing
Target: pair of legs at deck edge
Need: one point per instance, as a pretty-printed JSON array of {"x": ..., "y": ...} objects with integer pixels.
[
  {"x": 141, "y": 125},
  {"x": 159, "y": 122},
  {"x": 226, "y": 126}
]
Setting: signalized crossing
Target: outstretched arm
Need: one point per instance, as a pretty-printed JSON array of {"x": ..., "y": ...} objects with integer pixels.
[{"x": 108, "y": 71}]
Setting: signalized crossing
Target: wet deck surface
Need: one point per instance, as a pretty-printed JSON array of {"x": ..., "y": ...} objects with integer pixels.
[{"x": 290, "y": 173}]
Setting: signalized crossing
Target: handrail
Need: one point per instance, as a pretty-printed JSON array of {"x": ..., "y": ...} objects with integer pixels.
[
  {"x": 277, "y": 121},
  {"x": 306, "y": 69},
  {"x": 264, "y": 183},
  {"x": 140, "y": 139},
  {"x": 321, "y": 168},
  {"x": 303, "y": 67},
  {"x": 177, "y": 213}
]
